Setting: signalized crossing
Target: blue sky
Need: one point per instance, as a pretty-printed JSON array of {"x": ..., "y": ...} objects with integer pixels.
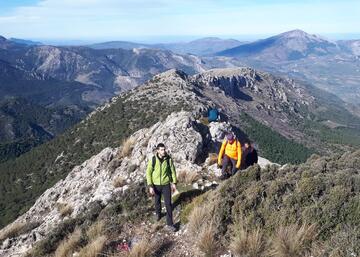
[{"x": 145, "y": 19}]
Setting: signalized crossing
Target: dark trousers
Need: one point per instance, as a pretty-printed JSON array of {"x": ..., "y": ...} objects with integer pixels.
[
  {"x": 225, "y": 162},
  {"x": 166, "y": 192}
]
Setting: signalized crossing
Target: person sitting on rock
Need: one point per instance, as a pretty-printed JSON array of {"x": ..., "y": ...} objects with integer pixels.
[
  {"x": 230, "y": 153},
  {"x": 161, "y": 179},
  {"x": 249, "y": 154}
]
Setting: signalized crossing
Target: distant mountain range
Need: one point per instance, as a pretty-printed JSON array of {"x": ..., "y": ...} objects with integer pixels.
[
  {"x": 107, "y": 71},
  {"x": 329, "y": 65},
  {"x": 71, "y": 81},
  {"x": 66, "y": 83},
  {"x": 332, "y": 66},
  {"x": 25, "y": 42},
  {"x": 203, "y": 47},
  {"x": 119, "y": 44}
]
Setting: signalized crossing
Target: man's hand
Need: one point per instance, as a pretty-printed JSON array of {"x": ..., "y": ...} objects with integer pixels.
[
  {"x": 173, "y": 188},
  {"x": 219, "y": 165},
  {"x": 151, "y": 191}
]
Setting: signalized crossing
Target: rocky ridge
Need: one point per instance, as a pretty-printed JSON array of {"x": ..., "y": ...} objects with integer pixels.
[
  {"x": 93, "y": 180},
  {"x": 233, "y": 90}
]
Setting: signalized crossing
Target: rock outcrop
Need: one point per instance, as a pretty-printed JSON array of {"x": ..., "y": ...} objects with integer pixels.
[
  {"x": 93, "y": 180},
  {"x": 187, "y": 141}
]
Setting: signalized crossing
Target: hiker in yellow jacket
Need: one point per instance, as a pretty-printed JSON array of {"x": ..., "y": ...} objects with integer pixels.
[{"x": 230, "y": 152}]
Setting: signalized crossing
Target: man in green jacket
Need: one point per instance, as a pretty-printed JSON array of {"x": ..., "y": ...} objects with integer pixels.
[{"x": 161, "y": 179}]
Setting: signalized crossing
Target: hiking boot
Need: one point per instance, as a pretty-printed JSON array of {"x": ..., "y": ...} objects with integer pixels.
[
  {"x": 233, "y": 173},
  {"x": 223, "y": 176},
  {"x": 172, "y": 228},
  {"x": 158, "y": 216}
]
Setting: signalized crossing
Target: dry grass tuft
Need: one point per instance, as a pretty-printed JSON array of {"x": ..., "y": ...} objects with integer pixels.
[
  {"x": 206, "y": 242},
  {"x": 68, "y": 245},
  {"x": 204, "y": 121},
  {"x": 213, "y": 158},
  {"x": 127, "y": 147},
  {"x": 248, "y": 243},
  {"x": 335, "y": 253},
  {"x": 197, "y": 219},
  {"x": 93, "y": 248},
  {"x": 145, "y": 248},
  {"x": 293, "y": 241},
  {"x": 95, "y": 230},
  {"x": 12, "y": 230},
  {"x": 64, "y": 209},
  {"x": 119, "y": 182}
]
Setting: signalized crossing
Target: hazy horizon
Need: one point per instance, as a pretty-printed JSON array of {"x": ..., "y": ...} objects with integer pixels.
[
  {"x": 174, "y": 20},
  {"x": 174, "y": 39}
]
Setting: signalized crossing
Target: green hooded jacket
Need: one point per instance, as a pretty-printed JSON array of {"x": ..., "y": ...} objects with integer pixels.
[{"x": 162, "y": 174}]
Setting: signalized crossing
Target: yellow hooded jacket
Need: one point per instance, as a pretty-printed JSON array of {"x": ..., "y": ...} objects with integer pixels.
[{"x": 231, "y": 150}]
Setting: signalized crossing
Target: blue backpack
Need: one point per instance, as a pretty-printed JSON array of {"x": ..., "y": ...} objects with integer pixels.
[{"x": 213, "y": 115}]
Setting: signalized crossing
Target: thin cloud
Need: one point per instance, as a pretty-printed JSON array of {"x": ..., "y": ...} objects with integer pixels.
[{"x": 124, "y": 18}]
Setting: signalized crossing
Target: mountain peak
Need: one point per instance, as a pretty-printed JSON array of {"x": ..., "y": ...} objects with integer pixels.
[
  {"x": 290, "y": 45},
  {"x": 2, "y": 39},
  {"x": 295, "y": 32},
  {"x": 171, "y": 74},
  {"x": 300, "y": 34},
  {"x": 228, "y": 72},
  {"x": 208, "y": 39}
]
